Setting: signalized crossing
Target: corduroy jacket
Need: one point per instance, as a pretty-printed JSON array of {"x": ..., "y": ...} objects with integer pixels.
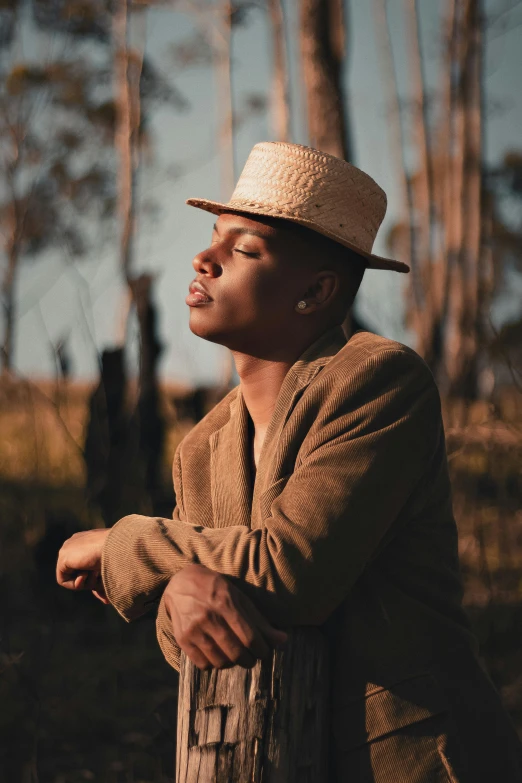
[{"x": 349, "y": 527}]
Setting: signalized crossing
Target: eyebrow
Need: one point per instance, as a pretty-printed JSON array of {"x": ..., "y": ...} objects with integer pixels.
[{"x": 239, "y": 230}]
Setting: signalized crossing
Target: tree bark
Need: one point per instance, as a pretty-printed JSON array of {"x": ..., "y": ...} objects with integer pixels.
[
  {"x": 266, "y": 724},
  {"x": 322, "y": 42},
  {"x": 280, "y": 88}
]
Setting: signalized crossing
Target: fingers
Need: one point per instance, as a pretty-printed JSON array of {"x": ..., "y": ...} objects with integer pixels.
[
  {"x": 203, "y": 651},
  {"x": 99, "y": 591},
  {"x": 238, "y": 635},
  {"x": 274, "y": 636},
  {"x": 248, "y": 634},
  {"x": 93, "y": 581},
  {"x": 95, "y": 584},
  {"x": 101, "y": 597},
  {"x": 196, "y": 656},
  {"x": 213, "y": 643},
  {"x": 214, "y": 623},
  {"x": 70, "y": 578},
  {"x": 235, "y": 651},
  {"x": 80, "y": 581},
  {"x": 258, "y": 623},
  {"x": 78, "y": 556}
]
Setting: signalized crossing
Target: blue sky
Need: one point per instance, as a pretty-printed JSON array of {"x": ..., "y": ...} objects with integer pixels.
[{"x": 84, "y": 302}]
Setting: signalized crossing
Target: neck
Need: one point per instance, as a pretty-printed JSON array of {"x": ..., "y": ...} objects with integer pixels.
[
  {"x": 262, "y": 376},
  {"x": 261, "y": 381}
]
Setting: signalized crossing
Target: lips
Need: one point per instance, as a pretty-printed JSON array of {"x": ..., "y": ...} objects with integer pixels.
[{"x": 197, "y": 295}]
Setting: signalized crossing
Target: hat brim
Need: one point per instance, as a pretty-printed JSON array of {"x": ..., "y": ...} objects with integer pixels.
[{"x": 373, "y": 261}]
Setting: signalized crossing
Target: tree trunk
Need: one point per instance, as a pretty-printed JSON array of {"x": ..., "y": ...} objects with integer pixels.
[
  {"x": 280, "y": 89},
  {"x": 9, "y": 307},
  {"x": 406, "y": 245},
  {"x": 147, "y": 422},
  {"x": 432, "y": 334},
  {"x": 225, "y": 109},
  {"x": 322, "y": 41},
  {"x": 222, "y": 46},
  {"x": 423, "y": 179},
  {"x": 12, "y": 248},
  {"x": 150, "y": 421},
  {"x": 448, "y": 295},
  {"x": 266, "y": 724},
  {"x": 123, "y": 135},
  {"x": 425, "y": 312},
  {"x": 106, "y": 443},
  {"x": 466, "y": 325},
  {"x": 127, "y": 74}
]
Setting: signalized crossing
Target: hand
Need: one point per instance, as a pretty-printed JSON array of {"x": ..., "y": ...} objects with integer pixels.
[
  {"x": 214, "y": 623},
  {"x": 79, "y": 562}
]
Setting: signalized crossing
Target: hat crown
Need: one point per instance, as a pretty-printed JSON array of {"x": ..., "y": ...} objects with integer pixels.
[
  {"x": 314, "y": 189},
  {"x": 312, "y": 186}
]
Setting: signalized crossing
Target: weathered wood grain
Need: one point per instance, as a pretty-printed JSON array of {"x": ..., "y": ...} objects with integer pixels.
[{"x": 262, "y": 725}]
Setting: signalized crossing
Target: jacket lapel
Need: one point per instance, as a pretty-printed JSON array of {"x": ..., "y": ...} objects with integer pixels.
[
  {"x": 230, "y": 468},
  {"x": 296, "y": 381},
  {"x": 232, "y": 502}
]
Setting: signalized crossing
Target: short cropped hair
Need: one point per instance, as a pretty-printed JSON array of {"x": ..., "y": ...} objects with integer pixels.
[{"x": 324, "y": 253}]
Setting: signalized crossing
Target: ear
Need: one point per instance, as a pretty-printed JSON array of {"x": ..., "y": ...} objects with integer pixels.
[{"x": 320, "y": 293}]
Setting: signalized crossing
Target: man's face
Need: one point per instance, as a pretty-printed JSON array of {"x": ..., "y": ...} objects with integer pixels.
[{"x": 247, "y": 285}]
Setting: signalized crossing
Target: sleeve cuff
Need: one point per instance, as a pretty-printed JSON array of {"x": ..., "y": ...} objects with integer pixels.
[
  {"x": 132, "y": 591},
  {"x": 166, "y": 640}
]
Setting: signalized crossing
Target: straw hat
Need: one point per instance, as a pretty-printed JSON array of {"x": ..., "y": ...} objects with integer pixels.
[{"x": 314, "y": 189}]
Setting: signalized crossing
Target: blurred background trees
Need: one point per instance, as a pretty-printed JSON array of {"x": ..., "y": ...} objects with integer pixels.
[
  {"x": 112, "y": 112},
  {"x": 49, "y": 127},
  {"x": 454, "y": 233},
  {"x": 79, "y": 91},
  {"x": 323, "y": 43}
]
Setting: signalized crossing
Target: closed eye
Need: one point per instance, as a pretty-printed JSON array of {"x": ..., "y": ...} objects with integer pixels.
[{"x": 246, "y": 253}]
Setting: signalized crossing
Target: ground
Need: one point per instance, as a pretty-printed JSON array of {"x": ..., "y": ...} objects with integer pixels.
[{"x": 86, "y": 696}]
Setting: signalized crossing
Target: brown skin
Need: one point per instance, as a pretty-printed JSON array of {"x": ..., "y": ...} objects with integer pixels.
[
  {"x": 79, "y": 562},
  {"x": 214, "y": 623},
  {"x": 253, "y": 274}
]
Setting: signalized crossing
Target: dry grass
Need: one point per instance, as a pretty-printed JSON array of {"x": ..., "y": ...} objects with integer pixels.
[{"x": 41, "y": 434}]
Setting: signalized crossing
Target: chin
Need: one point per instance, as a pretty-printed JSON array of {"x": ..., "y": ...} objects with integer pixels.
[
  {"x": 234, "y": 336},
  {"x": 204, "y": 328}
]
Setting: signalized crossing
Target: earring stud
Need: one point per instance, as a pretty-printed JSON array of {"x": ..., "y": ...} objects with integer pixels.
[{"x": 301, "y": 305}]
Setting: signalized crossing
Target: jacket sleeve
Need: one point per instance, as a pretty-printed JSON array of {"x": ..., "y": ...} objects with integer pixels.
[
  {"x": 167, "y": 642},
  {"x": 360, "y": 462}
]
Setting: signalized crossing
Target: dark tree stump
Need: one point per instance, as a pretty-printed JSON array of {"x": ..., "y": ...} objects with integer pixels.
[{"x": 268, "y": 724}]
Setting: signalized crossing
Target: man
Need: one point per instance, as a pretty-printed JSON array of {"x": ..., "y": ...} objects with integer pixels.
[{"x": 316, "y": 492}]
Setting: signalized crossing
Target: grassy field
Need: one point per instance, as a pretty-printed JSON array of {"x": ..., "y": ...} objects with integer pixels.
[{"x": 86, "y": 697}]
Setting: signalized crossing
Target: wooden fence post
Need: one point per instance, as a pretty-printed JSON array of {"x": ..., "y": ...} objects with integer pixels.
[{"x": 268, "y": 724}]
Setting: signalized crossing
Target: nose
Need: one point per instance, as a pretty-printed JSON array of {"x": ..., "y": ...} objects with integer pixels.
[{"x": 205, "y": 263}]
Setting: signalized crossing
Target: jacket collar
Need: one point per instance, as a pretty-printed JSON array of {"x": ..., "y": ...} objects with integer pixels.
[{"x": 229, "y": 446}]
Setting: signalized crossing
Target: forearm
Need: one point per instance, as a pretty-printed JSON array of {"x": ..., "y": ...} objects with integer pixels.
[{"x": 142, "y": 553}]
